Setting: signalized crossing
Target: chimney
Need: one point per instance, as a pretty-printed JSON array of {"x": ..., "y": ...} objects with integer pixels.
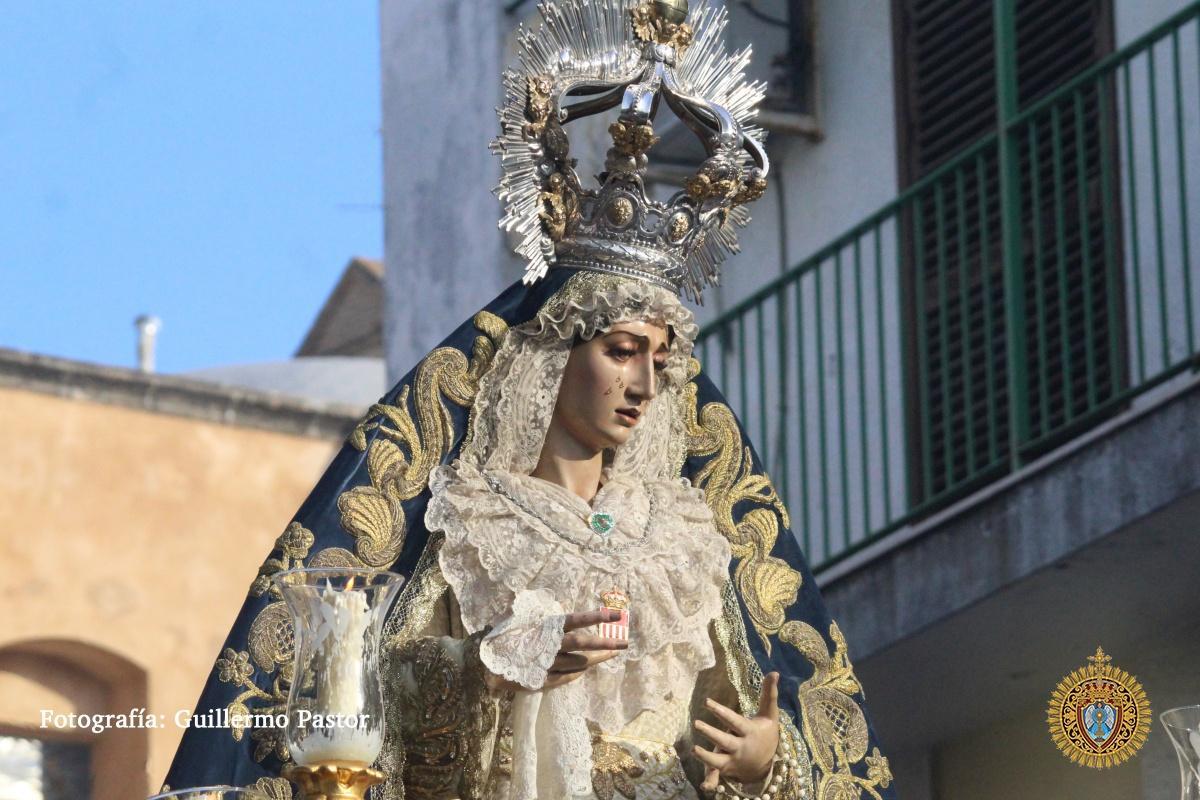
[{"x": 147, "y": 327}]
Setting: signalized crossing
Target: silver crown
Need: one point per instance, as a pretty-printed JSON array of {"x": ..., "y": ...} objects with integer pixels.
[{"x": 631, "y": 53}]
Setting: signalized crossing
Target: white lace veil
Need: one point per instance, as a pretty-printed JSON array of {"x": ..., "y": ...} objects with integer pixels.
[
  {"x": 525, "y": 586},
  {"x": 516, "y": 396}
]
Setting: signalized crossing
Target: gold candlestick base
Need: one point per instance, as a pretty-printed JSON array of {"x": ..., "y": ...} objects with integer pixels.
[{"x": 333, "y": 781}]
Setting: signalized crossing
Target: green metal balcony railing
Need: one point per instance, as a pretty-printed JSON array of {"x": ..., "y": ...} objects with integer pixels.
[{"x": 1036, "y": 284}]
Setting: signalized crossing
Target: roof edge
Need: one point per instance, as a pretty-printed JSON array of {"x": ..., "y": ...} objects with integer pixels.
[
  {"x": 371, "y": 268},
  {"x": 175, "y": 395}
]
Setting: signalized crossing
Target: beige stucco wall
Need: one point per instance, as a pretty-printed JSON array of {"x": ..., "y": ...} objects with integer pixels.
[{"x": 127, "y": 540}]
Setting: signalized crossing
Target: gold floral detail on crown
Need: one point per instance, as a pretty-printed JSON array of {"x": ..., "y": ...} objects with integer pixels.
[
  {"x": 615, "y": 599},
  {"x": 650, "y": 25},
  {"x": 585, "y": 57},
  {"x": 560, "y": 206},
  {"x": 538, "y": 106},
  {"x": 632, "y": 140}
]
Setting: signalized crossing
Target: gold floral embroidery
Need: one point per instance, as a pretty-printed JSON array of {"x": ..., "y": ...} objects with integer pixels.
[
  {"x": 271, "y": 640},
  {"x": 746, "y": 678},
  {"x": 293, "y": 545},
  {"x": 768, "y": 585},
  {"x": 234, "y": 667},
  {"x": 878, "y": 769},
  {"x": 613, "y": 771},
  {"x": 274, "y": 788},
  {"x": 834, "y": 726},
  {"x": 401, "y": 456},
  {"x": 269, "y": 644},
  {"x": 371, "y": 514},
  {"x": 338, "y": 557},
  {"x": 434, "y": 720}
]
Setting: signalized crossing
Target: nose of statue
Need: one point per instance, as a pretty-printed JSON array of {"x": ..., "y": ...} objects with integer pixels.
[{"x": 644, "y": 386}]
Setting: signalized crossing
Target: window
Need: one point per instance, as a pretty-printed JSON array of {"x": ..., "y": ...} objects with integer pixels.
[
  {"x": 39, "y": 769},
  {"x": 946, "y": 102}
]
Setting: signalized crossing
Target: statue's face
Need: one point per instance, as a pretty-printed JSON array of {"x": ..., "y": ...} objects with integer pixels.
[{"x": 609, "y": 382}]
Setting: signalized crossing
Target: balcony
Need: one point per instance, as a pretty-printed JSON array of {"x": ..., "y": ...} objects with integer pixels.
[{"x": 996, "y": 312}]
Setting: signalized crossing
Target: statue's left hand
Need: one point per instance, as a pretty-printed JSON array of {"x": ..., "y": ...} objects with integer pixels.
[{"x": 745, "y": 749}]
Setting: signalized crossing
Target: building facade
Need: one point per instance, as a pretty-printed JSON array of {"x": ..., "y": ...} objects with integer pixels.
[
  {"x": 136, "y": 509},
  {"x": 962, "y": 330}
]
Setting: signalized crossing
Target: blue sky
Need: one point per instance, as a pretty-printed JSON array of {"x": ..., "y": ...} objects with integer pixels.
[{"x": 211, "y": 162}]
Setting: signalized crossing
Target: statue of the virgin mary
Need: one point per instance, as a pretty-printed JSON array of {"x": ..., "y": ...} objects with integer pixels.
[{"x": 603, "y": 595}]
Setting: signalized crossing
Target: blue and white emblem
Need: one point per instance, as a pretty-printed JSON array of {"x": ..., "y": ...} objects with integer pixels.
[{"x": 1099, "y": 720}]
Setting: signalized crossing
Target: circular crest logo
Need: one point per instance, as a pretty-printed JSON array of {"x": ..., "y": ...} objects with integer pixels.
[{"x": 1099, "y": 715}]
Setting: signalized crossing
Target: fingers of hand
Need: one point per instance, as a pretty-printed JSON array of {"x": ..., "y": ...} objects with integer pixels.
[
  {"x": 576, "y": 662},
  {"x": 589, "y": 641},
  {"x": 768, "y": 701},
  {"x": 725, "y": 741},
  {"x": 732, "y": 718},
  {"x": 569, "y": 662},
  {"x": 711, "y": 778},
  {"x": 715, "y": 760},
  {"x": 585, "y": 619}
]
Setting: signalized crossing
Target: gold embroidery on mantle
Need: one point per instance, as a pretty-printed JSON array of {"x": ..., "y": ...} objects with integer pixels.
[
  {"x": 746, "y": 677},
  {"x": 269, "y": 645},
  {"x": 270, "y": 640},
  {"x": 833, "y": 729},
  {"x": 274, "y": 788},
  {"x": 371, "y": 514},
  {"x": 414, "y": 608},
  {"x": 400, "y": 458},
  {"x": 435, "y": 744},
  {"x": 234, "y": 667},
  {"x": 768, "y": 585},
  {"x": 293, "y": 545},
  {"x": 613, "y": 771},
  {"x": 834, "y": 726}
]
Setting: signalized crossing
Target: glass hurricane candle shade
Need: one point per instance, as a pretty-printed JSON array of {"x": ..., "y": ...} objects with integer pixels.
[
  {"x": 211, "y": 793},
  {"x": 335, "y": 706},
  {"x": 1183, "y": 726}
]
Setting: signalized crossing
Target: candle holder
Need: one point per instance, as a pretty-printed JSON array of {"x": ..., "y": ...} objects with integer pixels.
[
  {"x": 1183, "y": 726},
  {"x": 335, "y": 720},
  {"x": 332, "y": 782},
  {"x": 210, "y": 793}
]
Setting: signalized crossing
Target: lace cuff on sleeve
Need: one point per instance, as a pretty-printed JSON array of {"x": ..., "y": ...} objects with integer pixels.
[{"x": 522, "y": 647}]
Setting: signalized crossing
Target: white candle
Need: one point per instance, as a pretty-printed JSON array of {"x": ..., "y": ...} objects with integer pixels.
[
  {"x": 344, "y": 746},
  {"x": 344, "y": 623},
  {"x": 337, "y": 731}
]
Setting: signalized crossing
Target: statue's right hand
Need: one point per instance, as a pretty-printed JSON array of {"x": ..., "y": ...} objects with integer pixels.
[{"x": 580, "y": 650}]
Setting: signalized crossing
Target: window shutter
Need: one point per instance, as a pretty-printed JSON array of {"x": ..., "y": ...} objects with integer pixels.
[{"x": 947, "y": 102}]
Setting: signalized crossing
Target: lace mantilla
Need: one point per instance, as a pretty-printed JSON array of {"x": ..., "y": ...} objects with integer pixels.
[
  {"x": 516, "y": 553},
  {"x": 494, "y": 550}
]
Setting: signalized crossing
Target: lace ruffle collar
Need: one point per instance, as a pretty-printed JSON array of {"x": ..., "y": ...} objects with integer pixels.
[{"x": 495, "y": 549}]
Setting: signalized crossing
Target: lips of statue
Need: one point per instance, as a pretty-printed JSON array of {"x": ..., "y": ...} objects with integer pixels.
[{"x": 609, "y": 382}]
